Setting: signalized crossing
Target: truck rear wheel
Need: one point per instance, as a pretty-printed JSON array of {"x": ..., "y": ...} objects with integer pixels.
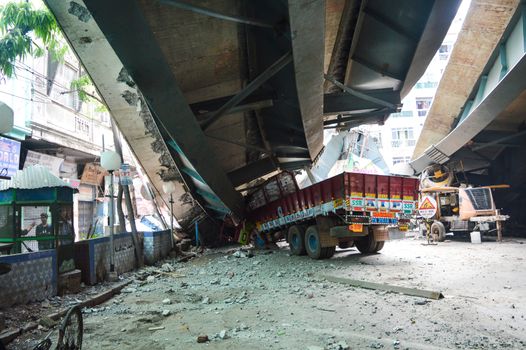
[
  {"x": 296, "y": 239},
  {"x": 313, "y": 245},
  {"x": 368, "y": 244},
  {"x": 438, "y": 231}
]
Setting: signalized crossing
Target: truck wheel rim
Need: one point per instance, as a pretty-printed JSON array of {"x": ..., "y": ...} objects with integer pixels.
[
  {"x": 295, "y": 241},
  {"x": 313, "y": 243}
]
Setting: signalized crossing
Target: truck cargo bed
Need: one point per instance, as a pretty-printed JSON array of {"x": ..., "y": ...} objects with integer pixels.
[{"x": 360, "y": 198}]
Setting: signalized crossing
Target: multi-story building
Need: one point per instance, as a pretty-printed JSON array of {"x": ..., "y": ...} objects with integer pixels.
[{"x": 55, "y": 129}]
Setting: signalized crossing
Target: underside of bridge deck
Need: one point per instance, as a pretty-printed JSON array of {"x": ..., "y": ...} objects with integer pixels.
[{"x": 216, "y": 95}]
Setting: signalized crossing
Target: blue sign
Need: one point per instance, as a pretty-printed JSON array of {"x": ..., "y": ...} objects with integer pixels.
[
  {"x": 9, "y": 157},
  {"x": 386, "y": 221},
  {"x": 125, "y": 173}
]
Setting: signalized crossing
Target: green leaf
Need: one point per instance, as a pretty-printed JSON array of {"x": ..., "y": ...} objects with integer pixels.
[{"x": 19, "y": 25}]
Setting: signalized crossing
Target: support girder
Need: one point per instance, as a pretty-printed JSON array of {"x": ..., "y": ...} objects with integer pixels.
[
  {"x": 252, "y": 171},
  {"x": 342, "y": 102},
  {"x": 212, "y": 105}
]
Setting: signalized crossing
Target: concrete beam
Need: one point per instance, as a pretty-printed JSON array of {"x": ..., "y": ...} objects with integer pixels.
[
  {"x": 124, "y": 101},
  {"x": 130, "y": 36},
  {"x": 307, "y": 25},
  {"x": 482, "y": 30}
]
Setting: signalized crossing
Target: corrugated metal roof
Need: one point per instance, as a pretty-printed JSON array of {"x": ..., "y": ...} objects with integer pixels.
[{"x": 35, "y": 176}]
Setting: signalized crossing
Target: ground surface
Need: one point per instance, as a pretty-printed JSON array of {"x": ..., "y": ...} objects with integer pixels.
[{"x": 276, "y": 301}]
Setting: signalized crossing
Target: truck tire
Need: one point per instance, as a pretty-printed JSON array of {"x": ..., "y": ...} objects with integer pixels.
[
  {"x": 438, "y": 231},
  {"x": 368, "y": 244},
  {"x": 296, "y": 239},
  {"x": 313, "y": 245}
]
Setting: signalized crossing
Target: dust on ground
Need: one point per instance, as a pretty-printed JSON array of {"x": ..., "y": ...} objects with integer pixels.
[{"x": 276, "y": 301}]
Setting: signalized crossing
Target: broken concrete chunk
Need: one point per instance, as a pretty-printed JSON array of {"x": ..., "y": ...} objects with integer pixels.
[
  {"x": 150, "y": 279},
  {"x": 202, "y": 339},
  {"x": 223, "y": 334},
  {"x": 167, "y": 301},
  {"x": 166, "y": 312},
  {"x": 167, "y": 267}
]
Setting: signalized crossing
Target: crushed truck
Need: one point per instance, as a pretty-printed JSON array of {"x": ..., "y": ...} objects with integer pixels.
[{"x": 344, "y": 210}]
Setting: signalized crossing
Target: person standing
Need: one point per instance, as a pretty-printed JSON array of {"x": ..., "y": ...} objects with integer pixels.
[{"x": 42, "y": 229}]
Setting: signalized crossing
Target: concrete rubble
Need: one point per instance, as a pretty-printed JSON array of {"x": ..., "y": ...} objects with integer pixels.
[{"x": 228, "y": 301}]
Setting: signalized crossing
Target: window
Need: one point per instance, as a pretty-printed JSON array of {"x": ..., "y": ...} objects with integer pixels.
[
  {"x": 402, "y": 137},
  {"x": 402, "y": 134},
  {"x": 402, "y": 114},
  {"x": 81, "y": 126},
  {"x": 397, "y": 160},
  {"x": 62, "y": 85},
  {"x": 422, "y": 105},
  {"x": 426, "y": 85},
  {"x": 444, "y": 52}
]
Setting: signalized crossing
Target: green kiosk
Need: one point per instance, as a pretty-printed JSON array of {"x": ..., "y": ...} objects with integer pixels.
[{"x": 36, "y": 213}]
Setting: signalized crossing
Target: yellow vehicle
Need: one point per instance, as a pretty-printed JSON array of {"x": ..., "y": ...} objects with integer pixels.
[{"x": 460, "y": 209}]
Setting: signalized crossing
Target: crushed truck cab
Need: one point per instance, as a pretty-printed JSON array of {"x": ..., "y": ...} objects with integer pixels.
[{"x": 344, "y": 210}]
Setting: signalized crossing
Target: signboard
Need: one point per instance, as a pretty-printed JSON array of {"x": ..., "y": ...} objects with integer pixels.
[
  {"x": 86, "y": 193},
  {"x": 9, "y": 157},
  {"x": 357, "y": 202},
  {"x": 51, "y": 163},
  {"x": 386, "y": 218},
  {"x": 125, "y": 175},
  {"x": 427, "y": 208},
  {"x": 408, "y": 206},
  {"x": 93, "y": 174},
  {"x": 396, "y": 204},
  {"x": 370, "y": 202}
]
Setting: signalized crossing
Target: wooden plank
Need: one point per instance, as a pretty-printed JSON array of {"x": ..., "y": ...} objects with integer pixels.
[{"x": 386, "y": 287}]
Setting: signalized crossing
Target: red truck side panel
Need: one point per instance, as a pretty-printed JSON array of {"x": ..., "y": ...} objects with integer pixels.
[
  {"x": 301, "y": 200},
  {"x": 409, "y": 195},
  {"x": 370, "y": 192},
  {"x": 326, "y": 190},
  {"x": 395, "y": 193},
  {"x": 382, "y": 188},
  {"x": 356, "y": 191},
  {"x": 316, "y": 193}
]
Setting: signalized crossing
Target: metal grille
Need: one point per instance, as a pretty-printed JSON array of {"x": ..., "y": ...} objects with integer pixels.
[{"x": 480, "y": 198}]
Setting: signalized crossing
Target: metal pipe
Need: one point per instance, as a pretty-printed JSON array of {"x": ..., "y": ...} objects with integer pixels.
[
  {"x": 498, "y": 141},
  {"x": 250, "y": 88},
  {"x": 111, "y": 210},
  {"x": 196, "y": 235},
  {"x": 171, "y": 221},
  {"x": 207, "y": 12},
  {"x": 240, "y": 144},
  {"x": 359, "y": 94}
]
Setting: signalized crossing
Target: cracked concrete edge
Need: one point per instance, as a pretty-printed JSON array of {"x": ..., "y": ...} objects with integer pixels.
[{"x": 125, "y": 104}]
